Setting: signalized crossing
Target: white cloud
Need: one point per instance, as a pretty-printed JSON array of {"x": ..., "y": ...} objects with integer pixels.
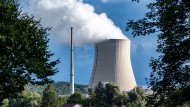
[{"x": 89, "y": 27}]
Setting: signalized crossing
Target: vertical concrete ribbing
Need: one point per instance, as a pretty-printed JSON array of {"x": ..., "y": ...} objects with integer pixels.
[{"x": 113, "y": 64}]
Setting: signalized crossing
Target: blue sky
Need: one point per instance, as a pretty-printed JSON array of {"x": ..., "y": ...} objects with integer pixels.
[{"x": 119, "y": 11}]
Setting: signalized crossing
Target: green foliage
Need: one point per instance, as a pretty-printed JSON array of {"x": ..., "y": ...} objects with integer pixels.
[
  {"x": 186, "y": 104},
  {"x": 38, "y": 88},
  {"x": 86, "y": 102},
  {"x": 5, "y": 103},
  {"x": 110, "y": 96},
  {"x": 121, "y": 99},
  {"x": 28, "y": 98},
  {"x": 24, "y": 53},
  {"x": 61, "y": 88},
  {"x": 49, "y": 98},
  {"x": 99, "y": 95},
  {"x": 134, "y": 98},
  {"x": 111, "y": 91},
  {"x": 62, "y": 101},
  {"x": 104, "y": 96},
  {"x": 170, "y": 77},
  {"x": 92, "y": 98},
  {"x": 81, "y": 88},
  {"x": 75, "y": 98}
]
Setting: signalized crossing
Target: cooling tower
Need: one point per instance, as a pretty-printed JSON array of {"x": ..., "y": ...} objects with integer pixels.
[{"x": 113, "y": 64}]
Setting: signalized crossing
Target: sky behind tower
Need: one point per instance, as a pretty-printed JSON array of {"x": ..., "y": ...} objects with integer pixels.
[{"x": 109, "y": 16}]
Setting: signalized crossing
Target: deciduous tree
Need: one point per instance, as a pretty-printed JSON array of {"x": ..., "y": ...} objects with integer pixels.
[
  {"x": 61, "y": 101},
  {"x": 49, "y": 98},
  {"x": 76, "y": 98},
  {"x": 170, "y": 76},
  {"x": 99, "y": 98},
  {"x": 24, "y": 53},
  {"x": 28, "y": 98},
  {"x": 111, "y": 92},
  {"x": 136, "y": 98}
]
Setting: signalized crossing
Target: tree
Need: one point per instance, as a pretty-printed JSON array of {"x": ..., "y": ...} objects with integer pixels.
[
  {"x": 28, "y": 98},
  {"x": 5, "y": 103},
  {"x": 99, "y": 98},
  {"x": 24, "y": 53},
  {"x": 75, "y": 98},
  {"x": 170, "y": 76},
  {"x": 86, "y": 103},
  {"x": 104, "y": 96},
  {"x": 92, "y": 98},
  {"x": 111, "y": 91},
  {"x": 61, "y": 101},
  {"x": 121, "y": 100},
  {"x": 49, "y": 98},
  {"x": 136, "y": 98}
]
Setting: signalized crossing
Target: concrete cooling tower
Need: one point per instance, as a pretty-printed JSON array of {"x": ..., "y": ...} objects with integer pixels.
[{"x": 113, "y": 64}]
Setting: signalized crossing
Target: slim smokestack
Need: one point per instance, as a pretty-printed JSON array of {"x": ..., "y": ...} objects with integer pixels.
[{"x": 72, "y": 65}]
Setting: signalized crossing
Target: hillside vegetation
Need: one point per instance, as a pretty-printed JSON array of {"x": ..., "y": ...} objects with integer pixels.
[{"x": 61, "y": 88}]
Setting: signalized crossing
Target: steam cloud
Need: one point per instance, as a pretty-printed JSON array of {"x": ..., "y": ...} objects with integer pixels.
[{"x": 89, "y": 27}]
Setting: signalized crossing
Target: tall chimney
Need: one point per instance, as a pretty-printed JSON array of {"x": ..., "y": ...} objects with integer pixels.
[{"x": 72, "y": 65}]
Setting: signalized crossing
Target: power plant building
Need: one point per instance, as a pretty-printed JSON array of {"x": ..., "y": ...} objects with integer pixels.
[{"x": 112, "y": 63}]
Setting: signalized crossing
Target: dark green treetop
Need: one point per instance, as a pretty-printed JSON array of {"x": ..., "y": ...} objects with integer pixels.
[
  {"x": 76, "y": 98},
  {"x": 49, "y": 98},
  {"x": 99, "y": 98},
  {"x": 111, "y": 92}
]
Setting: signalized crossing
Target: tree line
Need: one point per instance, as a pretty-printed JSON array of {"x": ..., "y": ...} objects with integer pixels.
[
  {"x": 61, "y": 88},
  {"x": 110, "y": 96},
  {"x": 102, "y": 96}
]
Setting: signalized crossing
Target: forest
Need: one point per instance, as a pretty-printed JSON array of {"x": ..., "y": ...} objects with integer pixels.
[{"x": 61, "y": 88}]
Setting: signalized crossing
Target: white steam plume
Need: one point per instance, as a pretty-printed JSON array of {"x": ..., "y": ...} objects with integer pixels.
[{"x": 89, "y": 27}]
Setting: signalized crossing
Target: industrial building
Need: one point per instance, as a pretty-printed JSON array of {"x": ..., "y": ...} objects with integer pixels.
[{"x": 112, "y": 63}]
